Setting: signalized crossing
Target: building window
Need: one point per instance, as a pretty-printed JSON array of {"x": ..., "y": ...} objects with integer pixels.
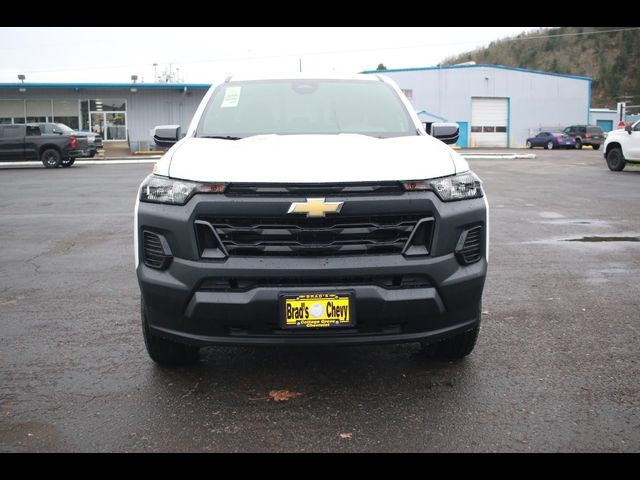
[
  {"x": 108, "y": 105},
  {"x": 488, "y": 129},
  {"x": 13, "y": 110},
  {"x": 84, "y": 116},
  {"x": 38, "y": 110},
  {"x": 66, "y": 112},
  {"x": 71, "y": 122}
]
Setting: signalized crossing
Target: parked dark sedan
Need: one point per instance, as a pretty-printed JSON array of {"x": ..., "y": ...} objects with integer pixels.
[{"x": 551, "y": 140}]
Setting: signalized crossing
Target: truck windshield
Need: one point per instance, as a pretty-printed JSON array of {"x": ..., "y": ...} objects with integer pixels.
[{"x": 288, "y": 107}]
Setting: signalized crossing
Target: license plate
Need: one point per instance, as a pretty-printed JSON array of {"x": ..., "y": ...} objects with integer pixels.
[{"x": 317, "y": 311}]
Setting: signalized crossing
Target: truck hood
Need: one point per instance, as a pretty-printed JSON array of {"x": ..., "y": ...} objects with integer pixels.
[{"x": 310, "y": 159}]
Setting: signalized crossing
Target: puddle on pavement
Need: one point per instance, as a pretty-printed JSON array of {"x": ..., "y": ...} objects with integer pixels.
[{"x": 604, "y": 239}]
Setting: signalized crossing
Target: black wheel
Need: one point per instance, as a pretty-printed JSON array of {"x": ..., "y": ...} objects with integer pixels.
[
  {"x": 595, "y": 147},
  {"x": 615, "y": 159},
  {"x": 549, "y": 145},
  {"x": 454, "y": 348},
  {"x": 164, "y": 351},
  {"x": 68, "y": 162},
  {"x": 51, "y": 158},
  {"x": 529, "y": 144},
  {"x": 578, "y": 143}
]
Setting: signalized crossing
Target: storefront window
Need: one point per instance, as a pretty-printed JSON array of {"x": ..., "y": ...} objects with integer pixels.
[
  {"x": 106, "y": 117},
  {"x": 108, "y": 105},
  {"x": 84, "y": 115}
]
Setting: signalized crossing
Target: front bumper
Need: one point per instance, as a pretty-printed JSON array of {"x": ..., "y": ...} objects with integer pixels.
[{"x": 181, "y": 304}]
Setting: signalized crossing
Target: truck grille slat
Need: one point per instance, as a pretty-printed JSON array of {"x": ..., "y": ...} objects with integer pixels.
[{"x": 250, "y": 236}]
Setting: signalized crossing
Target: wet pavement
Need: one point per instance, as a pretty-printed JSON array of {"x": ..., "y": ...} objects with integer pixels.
[{"x": 556, "y": 366}]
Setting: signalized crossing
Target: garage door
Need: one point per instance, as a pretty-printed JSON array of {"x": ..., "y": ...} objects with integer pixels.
[{"x": 489, "y": 118}]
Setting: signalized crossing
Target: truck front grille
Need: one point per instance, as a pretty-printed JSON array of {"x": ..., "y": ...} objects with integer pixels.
[{"x": 344, "y": 235}]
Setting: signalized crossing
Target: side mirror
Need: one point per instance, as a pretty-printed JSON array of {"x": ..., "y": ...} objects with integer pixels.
[
  {"x": 166, "y": 135},
  {"x": 446, "y": 132},
  {"x": 628, "y": 129}
]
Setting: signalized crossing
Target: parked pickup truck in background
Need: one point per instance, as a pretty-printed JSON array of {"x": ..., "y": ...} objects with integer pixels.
[
  {"x": 94, "y": 139},
  {"x": 26, "y": 142}
]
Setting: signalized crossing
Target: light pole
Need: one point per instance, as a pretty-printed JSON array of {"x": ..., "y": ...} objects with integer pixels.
[{"x": 155, "y": 73}]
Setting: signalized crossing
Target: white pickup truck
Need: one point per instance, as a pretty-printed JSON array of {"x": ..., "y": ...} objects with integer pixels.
[{"x": 622, "y": 147}]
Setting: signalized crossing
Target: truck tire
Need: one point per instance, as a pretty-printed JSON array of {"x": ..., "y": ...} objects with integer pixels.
[
  {"x": 454, "y": 348},
  {"x": 596, "y": 147},
  {"x": 578, "y": 144},
  {"x": 615, "y": 159},
  {"x": 51, "y": 158},
  {"x": 164, "y": 351},
  {"x": 68, "y": 162}
]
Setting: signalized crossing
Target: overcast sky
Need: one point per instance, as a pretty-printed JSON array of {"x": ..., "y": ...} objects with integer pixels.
[{"x": 206, "y": 55}]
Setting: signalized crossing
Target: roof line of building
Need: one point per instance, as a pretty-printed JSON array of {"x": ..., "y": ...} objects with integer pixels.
[
  {"x": 140, "y": 86},
  {"x": 485, "y": 65}
]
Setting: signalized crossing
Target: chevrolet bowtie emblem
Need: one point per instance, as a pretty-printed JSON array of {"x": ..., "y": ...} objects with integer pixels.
[{"x": 315, "y": 207}]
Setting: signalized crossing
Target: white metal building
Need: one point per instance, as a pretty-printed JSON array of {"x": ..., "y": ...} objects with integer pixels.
[{"x": 495, "y": 106}]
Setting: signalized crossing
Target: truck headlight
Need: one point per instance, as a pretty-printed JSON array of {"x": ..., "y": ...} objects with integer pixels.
[
  {"x": 159, "y": 189},
  {"x": 456, "y": 187}
]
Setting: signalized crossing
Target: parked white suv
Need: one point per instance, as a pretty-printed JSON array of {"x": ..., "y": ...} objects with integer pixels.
[{"x": 622, "y": 147}]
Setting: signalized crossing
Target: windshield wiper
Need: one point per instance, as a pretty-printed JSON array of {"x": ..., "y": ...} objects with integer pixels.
[{"x": 223, "y": 137}]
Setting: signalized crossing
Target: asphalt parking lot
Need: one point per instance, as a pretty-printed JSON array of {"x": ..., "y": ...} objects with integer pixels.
[{"x": 556, "y": 366}]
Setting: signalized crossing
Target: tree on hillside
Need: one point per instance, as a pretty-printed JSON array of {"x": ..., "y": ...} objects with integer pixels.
[{"x": 381, "y": 67}]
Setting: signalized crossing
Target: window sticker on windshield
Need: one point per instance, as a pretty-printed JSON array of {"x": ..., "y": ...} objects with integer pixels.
[{"x": 231, "y": 97}]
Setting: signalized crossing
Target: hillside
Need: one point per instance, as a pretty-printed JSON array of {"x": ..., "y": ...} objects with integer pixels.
[{"x": 611, "y": 59}]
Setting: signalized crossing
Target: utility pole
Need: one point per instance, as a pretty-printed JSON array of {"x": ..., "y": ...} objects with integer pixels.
[
  {"x": 155, "y": 73},
  {"x": 300, "y": 64}
]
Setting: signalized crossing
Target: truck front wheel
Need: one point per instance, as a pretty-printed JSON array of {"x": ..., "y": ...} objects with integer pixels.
[
  {"x": 454, "y": 348},
  {"x": 164, "y": 351},
  {"x": 615, "y": 159},
  {"x": 51, "y": 158}
]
